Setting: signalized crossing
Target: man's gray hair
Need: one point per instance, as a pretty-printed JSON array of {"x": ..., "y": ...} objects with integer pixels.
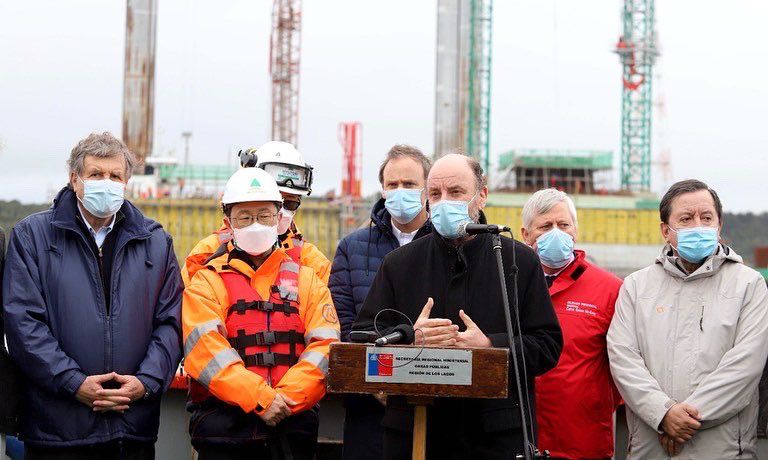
[
  {"x": 544, "y": 200},
  {"x": 103, "y": 145}
]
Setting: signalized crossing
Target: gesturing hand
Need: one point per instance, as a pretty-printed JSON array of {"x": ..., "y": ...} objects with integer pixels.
[
  {"x": 434, "y": 331},
  {"x": 681, "y": 422},
  {"x": 472, "y": 336},
  {"x": 131, "y": 389},
  {"x": 278, "y": 410},
  {"x": 88, "y": 391}
]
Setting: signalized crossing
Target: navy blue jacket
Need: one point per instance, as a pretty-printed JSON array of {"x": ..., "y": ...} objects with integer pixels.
[
  {"x": 59, "y": 330},
  {"x": 356, "y": 262}
]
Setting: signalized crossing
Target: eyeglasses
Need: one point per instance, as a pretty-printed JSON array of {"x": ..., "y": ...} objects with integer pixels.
[{"x": 264, "y": 218}]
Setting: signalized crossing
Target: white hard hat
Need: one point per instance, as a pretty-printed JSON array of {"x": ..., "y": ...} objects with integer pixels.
[
  {"x": 286, "y": 165},
  {"x": 251, "y": 184}
]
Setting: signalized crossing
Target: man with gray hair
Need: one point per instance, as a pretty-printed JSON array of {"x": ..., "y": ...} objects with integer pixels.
[
  {"x": 575, "y": 401},
  {"x": 92, "y": 300}
]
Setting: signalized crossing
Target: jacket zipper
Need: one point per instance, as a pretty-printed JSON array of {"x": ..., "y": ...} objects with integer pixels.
[{"x": 108, "y": 354}]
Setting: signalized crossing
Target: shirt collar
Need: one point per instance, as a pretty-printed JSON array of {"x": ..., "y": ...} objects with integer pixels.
[
  {"x": 106, "y": 228},
  {"x": 399, "y": 234}
]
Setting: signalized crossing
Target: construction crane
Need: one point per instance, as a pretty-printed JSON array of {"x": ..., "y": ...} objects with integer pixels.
[
  {"x": 285, "y": 51},
  {"x": 350, "y": 138},
  {"x": 463, "y": 81},
  {"x": 139, "y": 79},
  {"x": 637, "y": 51}
]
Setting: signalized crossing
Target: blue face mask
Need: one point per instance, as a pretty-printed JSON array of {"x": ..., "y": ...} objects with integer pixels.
[
  {"x": 696, "y": 244},
  {"x": 448, "y": 216},
  {"x": 555, "y": 248},
  {"x": 102, "y": 198},
  {"x": 403, "y": 204}
]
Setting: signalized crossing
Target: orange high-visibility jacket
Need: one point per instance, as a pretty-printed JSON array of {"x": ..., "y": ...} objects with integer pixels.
[
  {"x": 310, "y": 255},
  {"x": 204, "y": 313}
]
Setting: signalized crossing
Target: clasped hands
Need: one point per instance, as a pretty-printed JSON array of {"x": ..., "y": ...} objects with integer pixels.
[
  {"x": 679, "y": 425},
  {"x": 442, "y": 332},
  {"x": 93, "y": 394}
]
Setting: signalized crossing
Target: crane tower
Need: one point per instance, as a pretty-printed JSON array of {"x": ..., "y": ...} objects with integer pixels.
[
  {"x": 285, "y": 51},
  {"x": 637, "y": 51}
]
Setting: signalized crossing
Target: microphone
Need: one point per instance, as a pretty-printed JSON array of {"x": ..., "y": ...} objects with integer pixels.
[
  {"x": 402, "y": 333},
  {"x": 471, "y": 228},
  {"x": 363, "y": 336}
]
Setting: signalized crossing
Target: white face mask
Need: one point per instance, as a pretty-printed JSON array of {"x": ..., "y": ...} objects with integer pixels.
[
  {"x": 285, "y": 219},
  {"x": 255, "y": 239}
]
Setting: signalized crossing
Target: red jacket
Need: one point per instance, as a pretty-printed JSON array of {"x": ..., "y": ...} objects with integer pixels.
[{"x": 575, "y": 401}]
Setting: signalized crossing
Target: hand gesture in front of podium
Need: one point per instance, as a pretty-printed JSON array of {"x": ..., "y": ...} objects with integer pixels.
[
  {"x": 439, "y": 332},
  {"x": 472, "y": 336}
]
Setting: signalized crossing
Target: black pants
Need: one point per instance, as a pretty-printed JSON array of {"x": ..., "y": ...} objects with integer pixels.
[
  {"x": 114, "y": 450},
  {"x": 277, "y": 448}
]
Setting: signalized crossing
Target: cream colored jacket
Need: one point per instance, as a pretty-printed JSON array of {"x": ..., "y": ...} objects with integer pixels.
[{"x": 699, "y": 338}]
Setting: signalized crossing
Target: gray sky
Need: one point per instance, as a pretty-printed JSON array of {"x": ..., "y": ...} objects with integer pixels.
[{"x": 556, "y": 83}]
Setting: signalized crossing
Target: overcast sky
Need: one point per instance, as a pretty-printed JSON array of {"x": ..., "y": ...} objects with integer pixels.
[{"x": 556, "y": 83}]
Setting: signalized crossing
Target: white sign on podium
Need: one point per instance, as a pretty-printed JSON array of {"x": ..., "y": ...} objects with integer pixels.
[{"x": 416, "y": 365}]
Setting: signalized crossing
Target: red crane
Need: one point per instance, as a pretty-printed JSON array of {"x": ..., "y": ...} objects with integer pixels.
[
  {"x": 284, "y": 54},
  {"x": 350, "y": 137}
]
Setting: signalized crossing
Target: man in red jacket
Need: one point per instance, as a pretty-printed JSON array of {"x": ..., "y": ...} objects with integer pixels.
[{"x": 576, "y": 400}]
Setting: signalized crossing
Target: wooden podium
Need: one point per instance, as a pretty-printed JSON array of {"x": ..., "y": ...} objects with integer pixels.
[{"x": 420, "y": 374}]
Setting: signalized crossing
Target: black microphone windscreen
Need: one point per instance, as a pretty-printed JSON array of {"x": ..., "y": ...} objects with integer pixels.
[{"x": 408, "y": 333}]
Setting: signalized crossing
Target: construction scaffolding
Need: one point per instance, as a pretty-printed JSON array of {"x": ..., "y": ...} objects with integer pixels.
[
  {"x": 573, "y": 171},
  {"x": 463, "y": 78}
]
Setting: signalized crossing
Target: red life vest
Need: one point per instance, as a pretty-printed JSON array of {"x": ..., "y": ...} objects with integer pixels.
[{"x": 267, "y": 334}]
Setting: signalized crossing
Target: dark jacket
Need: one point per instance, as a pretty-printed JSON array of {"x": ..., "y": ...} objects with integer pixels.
[
  {"x": 358, "y": 257},
  {"x": 9, "y": 373},
  {"x": 466, "y": 278},
  {"x": 59, "y": 330},
  {"x": 357, "y": 260}
]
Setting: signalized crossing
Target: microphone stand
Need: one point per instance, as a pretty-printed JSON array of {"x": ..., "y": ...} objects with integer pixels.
[{"x": 530, "y": 452}]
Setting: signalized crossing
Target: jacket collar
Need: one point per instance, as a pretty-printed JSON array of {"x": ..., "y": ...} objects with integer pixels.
[
  {"x": 380, "y": 217},
  {"x": 572, "y": 272},
  {"x": 235, "y": 260},
  {"x": 65, "y": 214},
  {"x": 723, "y": 254}
]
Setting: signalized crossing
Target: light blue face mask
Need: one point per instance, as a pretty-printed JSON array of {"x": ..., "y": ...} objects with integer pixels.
[
  {"x": 696, "y": 244},
  {"x": 555, "y": 248},
  {"x": 102, "y": 198},
  {"x": 403, "y": 204},
  {"x": 448, "y": 216}
]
